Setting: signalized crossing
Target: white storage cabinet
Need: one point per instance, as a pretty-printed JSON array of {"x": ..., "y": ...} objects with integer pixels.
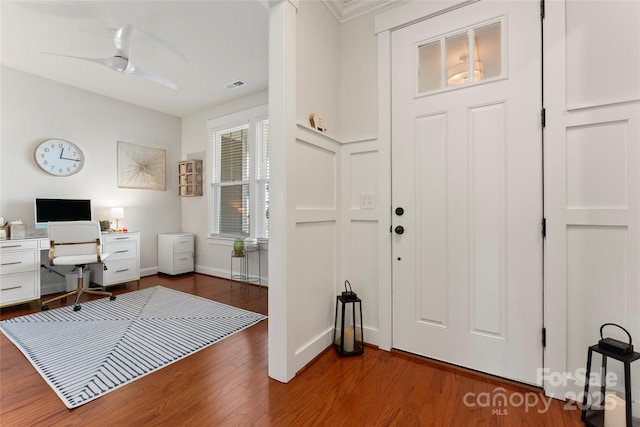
[
  {"x": 176, "y": 253},
  {"x": 20, "y": 270},
  {"x": 123, "y": 262}
]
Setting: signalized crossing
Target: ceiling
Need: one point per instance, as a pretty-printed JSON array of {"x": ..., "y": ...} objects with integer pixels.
[{"x": 200, "y": 45}]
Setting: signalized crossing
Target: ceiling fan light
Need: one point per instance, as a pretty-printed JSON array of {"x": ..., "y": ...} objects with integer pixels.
[
  {"x": 458, "y": 74},
  {"x": 117, "y": 63}
]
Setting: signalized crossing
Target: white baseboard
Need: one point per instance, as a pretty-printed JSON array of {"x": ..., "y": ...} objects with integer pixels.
[
  {"x": 312, "y": 349},
  {"x": 148, "y": 271},
  {"x": 218, "y": 272},
  {"x": 51, "y": 283},
  {"x": 53, "y": 287}
]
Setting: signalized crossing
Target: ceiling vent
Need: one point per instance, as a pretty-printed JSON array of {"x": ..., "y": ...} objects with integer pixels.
[{"x": 234, "y": 85}]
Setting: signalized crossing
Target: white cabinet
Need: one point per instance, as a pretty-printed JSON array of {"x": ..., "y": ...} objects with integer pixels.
[
  {"x": 20, "y": 270},
  {"x": 175, "y": 253},
  {"x": 123, "y": 262}
]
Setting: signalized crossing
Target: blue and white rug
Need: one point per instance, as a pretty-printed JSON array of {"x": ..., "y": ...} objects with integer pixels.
[{"x": 107, "y": 344}]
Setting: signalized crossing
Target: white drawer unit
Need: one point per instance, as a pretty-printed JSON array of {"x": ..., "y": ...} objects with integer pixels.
[
  {"x": 20, "y": 270},
  {"x": 123, "y": 262},
  {"x": 176, "y": 253}
]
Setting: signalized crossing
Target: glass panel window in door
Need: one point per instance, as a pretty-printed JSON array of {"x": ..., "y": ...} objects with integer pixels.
[
  {"x": 458, "y": 59},
  {"x": 463, "y": 67},
  {"x": 429, "y": 67},
  {"x": 488, "y": 45}
]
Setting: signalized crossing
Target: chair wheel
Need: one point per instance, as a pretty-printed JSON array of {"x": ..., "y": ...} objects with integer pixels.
[
  {"x": 112, "y": 298},
  {"x": 76, "y": 308},
  {"x": 44, "y": 308}
]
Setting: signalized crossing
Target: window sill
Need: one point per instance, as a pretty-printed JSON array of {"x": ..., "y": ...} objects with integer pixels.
[{"x": 228, "y": 241}]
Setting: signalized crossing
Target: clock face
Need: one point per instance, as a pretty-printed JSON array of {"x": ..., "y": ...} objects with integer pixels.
[{"x": 59, "y": 157}]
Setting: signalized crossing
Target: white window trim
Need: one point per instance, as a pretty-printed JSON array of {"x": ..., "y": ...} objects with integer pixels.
[{"x": 250, "y": 116}]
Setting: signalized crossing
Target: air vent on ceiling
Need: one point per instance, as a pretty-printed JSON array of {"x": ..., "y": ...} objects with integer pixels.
[{"x": 234, "y": 85}]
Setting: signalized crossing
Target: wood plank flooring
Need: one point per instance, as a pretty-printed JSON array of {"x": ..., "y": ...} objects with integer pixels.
[{"x": 227, "y": 385}]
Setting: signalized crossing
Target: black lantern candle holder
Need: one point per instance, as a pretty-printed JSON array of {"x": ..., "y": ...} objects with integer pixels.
[
  {"x": 623, "y": 352},
  {"x": 348, "y": 338}
]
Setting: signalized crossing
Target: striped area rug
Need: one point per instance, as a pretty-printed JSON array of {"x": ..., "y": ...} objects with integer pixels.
[{"x": 107, "y": 344}]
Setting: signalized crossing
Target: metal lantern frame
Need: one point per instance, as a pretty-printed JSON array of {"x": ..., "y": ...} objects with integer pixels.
[
  {"x": 617, "y": 350},
  {"x": 346, "y": 308}
]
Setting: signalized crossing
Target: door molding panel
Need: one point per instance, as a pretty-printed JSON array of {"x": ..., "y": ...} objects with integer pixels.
[{"x": 592, "y": 182}]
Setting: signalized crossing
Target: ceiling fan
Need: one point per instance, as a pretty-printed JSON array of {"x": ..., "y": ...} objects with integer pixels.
[{"x": 121, "y": 61}]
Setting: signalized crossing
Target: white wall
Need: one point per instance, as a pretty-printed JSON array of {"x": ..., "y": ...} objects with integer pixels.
[
  {"x": 305, "y": 263},
  {"x": 335, "y": 238},
  {"x": 36, "y": 109},
  {"x": 358, "y": 79},
  {"x": 365, "y": 173},
  {"x": 212, "y": 255},
  {"x": 318, "y": 65}
]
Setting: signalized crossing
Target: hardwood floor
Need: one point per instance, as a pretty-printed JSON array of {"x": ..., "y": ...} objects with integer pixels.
[{"x": 227, "y": 385}]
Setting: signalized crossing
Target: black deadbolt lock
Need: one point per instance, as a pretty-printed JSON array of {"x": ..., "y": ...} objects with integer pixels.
[
  {"x": 399, "y": 229},
  {"x": 399, "y": 211}
]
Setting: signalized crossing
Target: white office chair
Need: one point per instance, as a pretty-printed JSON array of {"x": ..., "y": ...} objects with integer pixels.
[{"x": 75, "y": 243}]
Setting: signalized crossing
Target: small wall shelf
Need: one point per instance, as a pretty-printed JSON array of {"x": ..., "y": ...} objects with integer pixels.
[{"x": 190, "y": 178}]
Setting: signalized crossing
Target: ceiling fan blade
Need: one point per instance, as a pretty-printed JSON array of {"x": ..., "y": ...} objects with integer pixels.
[
  {"x": 115, "y": 63},
  {"x": 170, "y": 47},
  {"x": 134, "y": 71},
  {"x": 120, "y": 61},
  {"x": 122, "y": 40}
]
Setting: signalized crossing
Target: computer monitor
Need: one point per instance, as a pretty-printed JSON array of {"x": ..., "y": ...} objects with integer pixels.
[{"x": 61, "y": 210}]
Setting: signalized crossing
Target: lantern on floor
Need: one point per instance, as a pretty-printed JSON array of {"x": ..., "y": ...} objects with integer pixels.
[
  {"x": 608, "y": 409},
  {"x": 348, "y": 338}
]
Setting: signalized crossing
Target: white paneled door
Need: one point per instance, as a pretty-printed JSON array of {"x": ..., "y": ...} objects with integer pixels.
[{"x": 467, "y": 188}]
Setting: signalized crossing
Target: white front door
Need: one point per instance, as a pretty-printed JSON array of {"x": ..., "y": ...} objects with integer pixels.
[{"x": 467, "y": 176}]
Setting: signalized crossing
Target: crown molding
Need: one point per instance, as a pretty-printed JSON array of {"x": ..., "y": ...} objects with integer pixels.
[{"x": 345, "y": 10}]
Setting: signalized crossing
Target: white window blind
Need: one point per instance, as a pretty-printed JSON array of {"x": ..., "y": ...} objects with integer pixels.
[
  {"x": 231, "y": 182},
  {"x": 262, "y": 179},
  {"x": 240, "y": 180}
]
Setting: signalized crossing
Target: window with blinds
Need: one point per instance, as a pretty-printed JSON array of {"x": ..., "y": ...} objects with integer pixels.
[
  {"x": 262, "y": 179},
  {"x": 240, "y": 180}
]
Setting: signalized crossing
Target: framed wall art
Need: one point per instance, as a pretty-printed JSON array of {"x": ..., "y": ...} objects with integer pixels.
[{"x": 141, "y": 167}]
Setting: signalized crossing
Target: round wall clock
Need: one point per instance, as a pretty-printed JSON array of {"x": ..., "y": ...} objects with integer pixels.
[{"x": 59, "y": 157}]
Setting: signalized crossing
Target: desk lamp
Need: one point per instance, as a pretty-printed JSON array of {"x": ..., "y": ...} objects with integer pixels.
[{"x": 117, "y": 214}]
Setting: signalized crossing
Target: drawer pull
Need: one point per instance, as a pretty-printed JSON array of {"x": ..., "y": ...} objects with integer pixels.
[
  {"x": 12, "y": 263},
  {"x": 121, "y": 252},
  {"x": 184, "y": 258},
  {"x": 11, "y": 288},
  {"x": 184, "y": 241},
  {"x": 121, "y": 238},
  {"x": 11, "y": 246},
  {"x": 122, "y": 271}
]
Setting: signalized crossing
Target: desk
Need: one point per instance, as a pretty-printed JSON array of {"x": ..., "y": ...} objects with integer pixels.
[
  {"x": 20, "y": 269},
  {"x": 20, "y": 261}
]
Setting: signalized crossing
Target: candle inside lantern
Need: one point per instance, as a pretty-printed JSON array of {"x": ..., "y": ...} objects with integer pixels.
[
  {"x": 348, "y": 339},
  {"x": 614, "y": 411}
]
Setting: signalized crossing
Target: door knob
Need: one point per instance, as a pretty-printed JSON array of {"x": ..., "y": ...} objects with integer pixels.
[{"x": 399, "y": 229}]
